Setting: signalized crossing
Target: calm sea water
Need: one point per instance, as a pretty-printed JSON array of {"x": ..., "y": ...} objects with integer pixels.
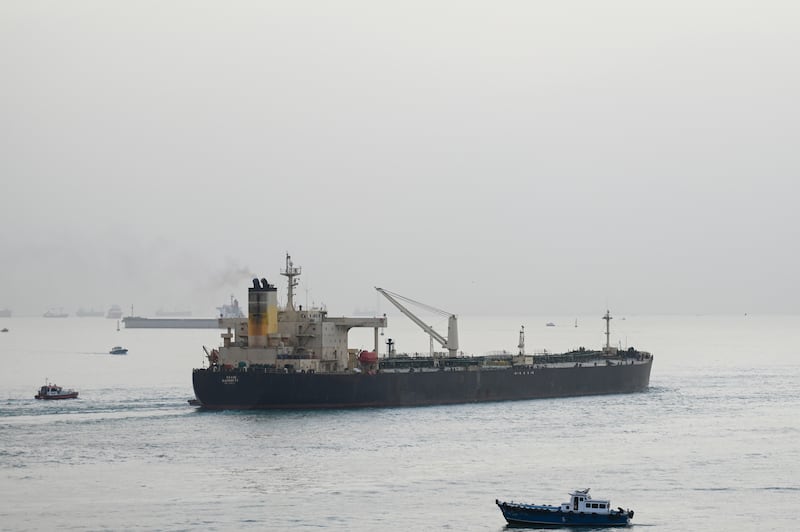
[{"x": 713, "y": 445}]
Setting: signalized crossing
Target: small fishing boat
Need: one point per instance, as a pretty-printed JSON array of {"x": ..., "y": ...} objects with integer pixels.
[
  {"x": 52, "y": 391},
  {"x": 118, "y": 350},
  {"x": 582, "y": 510}
]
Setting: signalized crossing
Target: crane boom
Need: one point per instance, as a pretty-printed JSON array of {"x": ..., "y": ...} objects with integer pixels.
[{"x": 450, "y": 343}]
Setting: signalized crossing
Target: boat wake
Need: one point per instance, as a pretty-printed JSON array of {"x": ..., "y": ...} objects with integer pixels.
[{"x": 92, "y": 406}]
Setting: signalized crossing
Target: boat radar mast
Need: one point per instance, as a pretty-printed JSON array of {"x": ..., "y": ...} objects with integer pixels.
[
  {"x": 608, "y": 319},
  {"x": 291, "y": 272},
  {"x": 450, "y": 343}
]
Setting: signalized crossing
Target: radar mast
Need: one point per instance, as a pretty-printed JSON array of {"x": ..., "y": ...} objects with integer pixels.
[
  {"x": 290, "y": 272},
  {"x": 608, "y": 319}
]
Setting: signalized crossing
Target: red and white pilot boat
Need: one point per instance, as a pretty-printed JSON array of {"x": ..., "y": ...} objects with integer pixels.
[{"x": 52, "y": 391}]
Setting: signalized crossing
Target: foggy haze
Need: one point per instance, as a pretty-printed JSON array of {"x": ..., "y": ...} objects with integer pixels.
[{"x": 523, "y": 157}]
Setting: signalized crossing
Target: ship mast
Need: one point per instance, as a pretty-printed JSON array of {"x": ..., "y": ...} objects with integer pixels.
[
  {"x": 521, "y": 340},
  {"x": 290, "y": 272},
  {"x": 608, "y": 319}
]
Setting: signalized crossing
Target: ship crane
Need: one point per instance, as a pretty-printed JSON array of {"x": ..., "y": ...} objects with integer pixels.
[{"x": 450, "y": 343}]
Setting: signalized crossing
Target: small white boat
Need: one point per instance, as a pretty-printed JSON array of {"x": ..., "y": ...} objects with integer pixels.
[{"x": 118, "y": 350}]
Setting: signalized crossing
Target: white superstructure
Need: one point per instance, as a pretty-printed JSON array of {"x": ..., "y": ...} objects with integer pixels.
[{"x": 293, "y": 338}]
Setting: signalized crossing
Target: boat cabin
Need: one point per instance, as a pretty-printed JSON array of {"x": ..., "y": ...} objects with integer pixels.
[
  {"x": 49, "y": 390},
  {"x": 581, "y": 501}
]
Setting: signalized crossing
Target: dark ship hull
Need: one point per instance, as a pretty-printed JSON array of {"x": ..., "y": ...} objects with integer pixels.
[{"x": 267, "y": 388}]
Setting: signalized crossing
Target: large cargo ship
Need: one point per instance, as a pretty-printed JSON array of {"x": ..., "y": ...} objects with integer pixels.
[
  {"x": 298, "y": 358},
  {"x": 228, "y": 316},
  {"x": 138, "y": 322}
]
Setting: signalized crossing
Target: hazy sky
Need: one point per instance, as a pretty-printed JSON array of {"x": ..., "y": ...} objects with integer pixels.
[{"x": 537, "y": 157}]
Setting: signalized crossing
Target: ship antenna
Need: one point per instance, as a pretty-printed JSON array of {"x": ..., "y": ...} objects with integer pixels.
[
  {"x": 608, "y": 319},
  {"x": 291, "y": 272},
  {"x": 521, "y": 340}
]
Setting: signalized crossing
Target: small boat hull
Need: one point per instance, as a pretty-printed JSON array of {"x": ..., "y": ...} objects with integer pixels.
[{"x": 553, "y": 516}]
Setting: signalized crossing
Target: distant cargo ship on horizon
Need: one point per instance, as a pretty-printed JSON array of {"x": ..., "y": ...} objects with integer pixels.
[
  {"x": 183, "y": 320},
  {"x": 89, "y": 313},
  {"x": 139, "y": 322},
  {"x": 161, "y": 313},
  {"x": 233, "y": 310}
]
